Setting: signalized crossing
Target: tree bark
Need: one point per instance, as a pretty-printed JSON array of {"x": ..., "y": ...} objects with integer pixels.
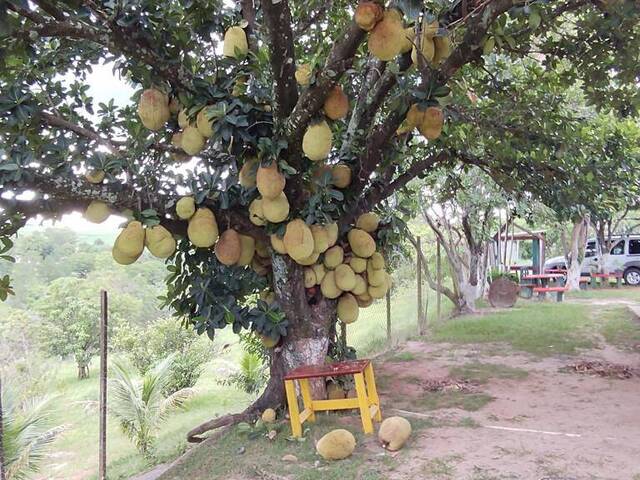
[{"x": 576, "y": 253}]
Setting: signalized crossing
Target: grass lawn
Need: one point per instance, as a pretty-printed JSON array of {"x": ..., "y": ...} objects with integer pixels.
[{"x": 627, "y": 293}]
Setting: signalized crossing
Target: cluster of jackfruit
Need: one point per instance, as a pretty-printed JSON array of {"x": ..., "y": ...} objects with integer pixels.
[
  {"x": 428, "y": 120},
  {"x": 131, "y": 241},
  {"x": 272, "y": 205}
]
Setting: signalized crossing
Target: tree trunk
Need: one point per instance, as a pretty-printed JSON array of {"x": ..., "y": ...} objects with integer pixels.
[
  {"x": 83, "y": 371},
  {"x": 2, "y": 466},
  {"x": 576, "y": 254}
]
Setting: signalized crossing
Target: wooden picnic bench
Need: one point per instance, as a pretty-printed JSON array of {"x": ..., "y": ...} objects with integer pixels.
[
  {"x": 366, "y": 393},
  {"x": 542, "y": 292},
  {"x": 605, "y": 277}
]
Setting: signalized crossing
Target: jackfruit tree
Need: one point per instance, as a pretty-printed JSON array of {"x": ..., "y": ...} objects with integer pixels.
[{"x": 267, "y": 141}]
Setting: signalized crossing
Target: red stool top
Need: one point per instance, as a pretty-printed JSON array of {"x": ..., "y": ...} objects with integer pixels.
[{"x": 341, "y": 368}]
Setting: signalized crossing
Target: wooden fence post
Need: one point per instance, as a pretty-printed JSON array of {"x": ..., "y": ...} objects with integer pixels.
[
  {"x": 2, "y": 472},
  {"x": 104, "y": 315},
  {"x": 421, "y": 327},
  {"x": 388, "y": 296},
  {"x": 438, "y": 278}
]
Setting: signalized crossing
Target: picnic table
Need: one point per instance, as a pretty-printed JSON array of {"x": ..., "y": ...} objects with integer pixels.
[
  {"x": 540, "y": 285},
  {"x": 605, "y": 277},
  {"x": 544, "y": 278}
]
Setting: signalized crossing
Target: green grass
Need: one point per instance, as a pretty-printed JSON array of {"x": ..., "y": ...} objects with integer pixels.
[
  {"x": 483, "y": 372},
  {"x": 402, "y": 357},
  {"x": 627, "y": 293},
  {"x": 441, "y": 467},
  {"x": 619, "y": 328},
  {"x": 537, "y": 328}
]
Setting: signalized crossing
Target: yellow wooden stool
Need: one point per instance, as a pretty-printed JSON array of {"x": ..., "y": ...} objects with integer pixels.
[{"x": 367, "y": 396}]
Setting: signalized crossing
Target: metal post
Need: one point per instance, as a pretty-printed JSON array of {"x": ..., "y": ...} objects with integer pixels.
[
  {"x": 389, "y": 316},
  {"x": 102, "y": 462},
  {"x": 419, "y": 286},
  {"x": 438, "y": 279},
  {"x": 2, "y": 472}
]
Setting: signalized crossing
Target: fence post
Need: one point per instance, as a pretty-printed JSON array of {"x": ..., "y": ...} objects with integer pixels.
[
  {"x": 438, "y": 278},
  {"x": 2, "y": 473},
  {"x": 419, "y": 285},
  {"x": 102, "y": 462},
  {"x": 388, "y": 316}
]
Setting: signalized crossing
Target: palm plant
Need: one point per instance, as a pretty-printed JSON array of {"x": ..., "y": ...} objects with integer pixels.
[
  {"x": 26, "y": 434},
  {"x": 141, "y": 405}
]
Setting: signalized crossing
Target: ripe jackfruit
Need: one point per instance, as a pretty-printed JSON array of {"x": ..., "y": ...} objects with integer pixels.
[
  {"x": 442, "y": 48},
  {"x": 203, "y": 228},
  {"x": 341, "y": 175},
  {"x": 153, "y": 109},
  {"x": 192, "y": 141},
  {"x": 328, "y": 286},
  {"x": 387, "y": 37},
  {"x": 394, "y": 432},
  {"x": 228, "y": 248},
  {"x": 378, "y": 291},
  {"x": 269, "y": 415},
  {"x": 183, "y": 119},
  {"x": 185, "y": 208},
  {"x": 130, "y": 241},
  {"x": 275, "y": 210},
  {"x": 270, "y": 181},
  {"x": 268, "y": 342},
  {"x": 426, "y": 43},
  {"x": 358, "y": 264},
  {"x": 319, "y": 271},
  {"x": 320, "y": 238},
  {"x": 333, "y": 257},
  {"x": 204, "y": 123},
  {"x": 336, "y": 445},
  {"x": 262, "y": 250},
  {"x": 368, "y": 222},
  {"x": 376, "y": 278},
  {"x": 309, "y": 277},
  {"x": 94, "y": 176},
  {"x": 160, "y": 242},
  {"x": 277, "y": 244},
  {"x": 345, "y": 278},
  {"x": 332, "y": 233},
  {"x": 298, "y": 240},
  {"x": 377, "y": 261},
  {"x": 97, "y": 211},
  {"x": 334, "y": 391},
  {"x": 121, "y": 258},
  {"x": 364, "y": 300},
  {"x": 409, "y": 37},
  {"x": 247, "y": 250},
  {"x": 303, "y": 75},
  {"x": 348, "y": 308},
  {"x": 235, "y": 43},
  {"x": 316, "y": 143},
  {"x": 256, "y": 215},
  {"x": 248, "y": 173},
  {"x": 368, "y": 14},
  {"x": 361, "y": 286},
  {"x": 431, "y": 125},
  {"x": 336, "y": 105},
  {"x": 362, "y": 244},
  {"x": 310, "y": 260}
]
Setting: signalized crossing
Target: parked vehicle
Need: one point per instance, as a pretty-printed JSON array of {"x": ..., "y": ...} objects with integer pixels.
[{"x": 624, "y": 256}]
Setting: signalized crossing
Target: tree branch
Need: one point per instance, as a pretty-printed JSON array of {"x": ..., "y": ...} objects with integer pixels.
[{"x": 58, "y": 122}]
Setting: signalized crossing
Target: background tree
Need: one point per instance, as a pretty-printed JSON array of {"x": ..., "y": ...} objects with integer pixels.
[{"x": 53, "y": 133}]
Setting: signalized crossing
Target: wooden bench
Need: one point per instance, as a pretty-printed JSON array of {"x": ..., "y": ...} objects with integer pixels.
[
  {"x": 604, "y": 278},
  {"x": 542, "y": 292},
  {"x": 584, "y": 283},
  {"x": 366, "y": 393}
]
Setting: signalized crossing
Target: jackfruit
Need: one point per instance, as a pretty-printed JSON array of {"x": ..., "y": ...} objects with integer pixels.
[
  {"x": 262, "y": 250},
  {"x": 97, "y": 211},
  {"x": 235, "y": 43},
  {"x": 442, "y": 48},
  {"x": 176, "y": 139},
  {"x": 387, "y": 38},
  {"x": 298, "y": 240},
  {"x": 247, "y": 250},
  {"x": 160, "y": 242},
  {"x": 341, "y": 175},
  {"x": 377, "y": 261},
  {"x": 368, "y": 222},
  {"x": 121, "y": 258},
  {"x": 333, "y": 257},
  {"x": 277, "y": 244},
  {"x": 94, "y": 176},
  {"x": 426, "y": 43},
  {"x": 174, "y": 105},
  {"x": 409, "y": 37},
  {"x": 328, "y": 286},
  {"x": 364, "y": 300},
  {"x": 130, "y": 241},
  {"x": 203, "y": 228},
  {"x": 256, "y": 215},
  {"x": 431, "y": 125},
  {"x": 336, "y": 445},
  {"x": 358, "y": 264},
  {"x": 345, "y": 278},
  {"x": 309, "y": 277},
  {"x": 303, "y": 75},
  {"x": 310, "y": 260},
  {"x": 248, "y": 173},
  {"x": 268, "y": 296},
  {"x": 319, "y": 271},
  {"x": 332, "y": 233},
  {"x": 270, "y": 181},
  {"x": 362, "y": 244},
  {"x": 334, "y": 391},
  {"x": 153, "y": 109},
  {"x": 275, "y": 210},
  {"x": 268, "y": 416},
  {"x": 204, "y": 123},
  {"x": 348, "y": 308},
  {"x": 376, "y": 278},
  {"x": 336, "y": 105},
  {"x": 316, "y": 143},
  {"x": 394, "y": 432},
  {"x": 378, "y": 291},
  {"x": 368, "y": 14},
  {"x": 185, "y": 208},
  {"x": 268, "y": 342},
  {"x": 183, "y": 119},
  {"x": 228, "y": 248},
  {"x": 320, "y": 238},
  {"x": 360, "y": 287},
  {"x": 192, "y": 141}
]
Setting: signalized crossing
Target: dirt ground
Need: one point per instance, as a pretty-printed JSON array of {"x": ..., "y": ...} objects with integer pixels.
[{"x": 550, "y": 425}]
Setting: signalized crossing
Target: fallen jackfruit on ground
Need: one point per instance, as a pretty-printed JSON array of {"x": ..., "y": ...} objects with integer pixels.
[
  {"x": 153, "y": 109},
  {"x": 388, "y": 36},
  {"x": 228, "y": 248},
  {"x": 203, "y": 228},
  {"x": 336, "y": 445},
  {"x": 97, "y": 211},
  {"x": 235, "y": 43},
  {"x": 394, "y": 433},
  {"x": 316, "y": 142},
  {"x": 348, "y": 308},
  {"x": 160, "y": 242},
  {"x": 185, "y": 208},
  {"x": 269, "y": 415},
  {"x": 368, "y": 14}
]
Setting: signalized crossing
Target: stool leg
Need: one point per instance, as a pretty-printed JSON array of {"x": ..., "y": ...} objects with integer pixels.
[
  {"x": 307, "y": 401},
  {"x": 373, "y": 391},
  {"x": 363, "y": 402},
  {"x": 294, "y": 413}
]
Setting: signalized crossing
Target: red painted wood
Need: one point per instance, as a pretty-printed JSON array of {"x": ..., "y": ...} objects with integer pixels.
[
  {"x": 550, "y": 289},
  {"x": 543, "y": 276},
  {"x": 341, "y": 368}
]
